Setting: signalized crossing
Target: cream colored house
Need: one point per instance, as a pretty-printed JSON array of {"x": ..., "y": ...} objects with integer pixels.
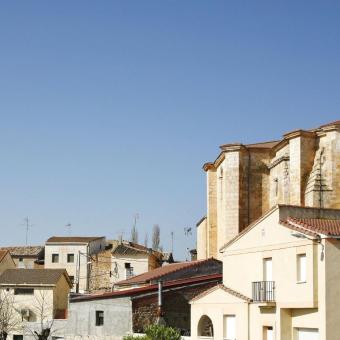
[
  {"x": 246, "y": 180},
  {"x": 6, "y": 261},
  {"x": 39, "y": 299},
  {"x": 281, "y": 280},
  {"x": 73, "y": 253}
]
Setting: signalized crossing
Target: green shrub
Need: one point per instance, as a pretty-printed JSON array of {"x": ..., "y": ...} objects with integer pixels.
[{"x": 156, "y": 332}]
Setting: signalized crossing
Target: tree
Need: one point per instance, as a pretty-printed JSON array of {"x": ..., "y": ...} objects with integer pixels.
[
  {"x": 146, "y": 240},
  {"x": 44, "y": 315},
  {"x": 157, "y": 332},
  {"x": 156, "y": 237},
  {"x": 9, "y": 317}
]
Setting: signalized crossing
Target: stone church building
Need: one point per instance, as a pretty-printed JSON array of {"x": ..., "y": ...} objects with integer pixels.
[{"x": 246, "y": 181}]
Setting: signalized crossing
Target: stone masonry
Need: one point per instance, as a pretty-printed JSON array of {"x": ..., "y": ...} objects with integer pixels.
[{"x": 245, "y": 181}]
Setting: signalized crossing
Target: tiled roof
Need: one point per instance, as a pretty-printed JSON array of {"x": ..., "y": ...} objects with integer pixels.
[
  {"x": 226, "y": 289},
  {"x": 73, "y": 239},
  {"x": 314, "y": 226},
  {"x": 3, "y": 253},
  {"x": 150, "y": 288},
  {"x": 162, "y": 271},
  {"x": 31, "y": 251},
  {"x": 32, "y": 276}
]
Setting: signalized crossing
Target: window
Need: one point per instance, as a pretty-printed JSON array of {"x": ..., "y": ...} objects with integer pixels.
[
  {"x": 268, "y": 269},
  {"x": 18, "y": 337},
  {"x": 21, "y": 259},
  {"x": 99, "y": 318},
  {"x": 229, "y": 327},
  {"x": 268, "y": 333},
  {"x": 71, "y": 279},
  {"x": 301, "y": 268},
  {"x": 55, "y": 258},
  {"x": 23, "y": 291},
  {"x": 70, "y": 258}
]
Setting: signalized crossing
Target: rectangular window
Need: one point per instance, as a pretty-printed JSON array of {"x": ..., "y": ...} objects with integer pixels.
[
  {"x": 18, "y": 337},
  {"x": 268, "y": 333},
  {"x": 70, "y": 258},
  {"x": 229, "y": 326},
  {"x": 23, "y": 291},
  {"x": 301, "y": 268},
  {"x": 268, "y": 269},
  {"x": 55, "y": 258},
  {"x": 99, "y": 318},
  {"x": 21, "y": 259}
]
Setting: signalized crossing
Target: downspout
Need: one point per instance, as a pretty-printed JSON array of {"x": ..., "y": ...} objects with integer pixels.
[
  {"x": 320, "y": 173},
  {"x": 248, "y": 184},
  {"x": 248, "y": 308},
  {"x": 160, "y": 313}
]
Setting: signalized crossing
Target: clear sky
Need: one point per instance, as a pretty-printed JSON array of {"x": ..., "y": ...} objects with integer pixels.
[{"x": 110, "y": 108}]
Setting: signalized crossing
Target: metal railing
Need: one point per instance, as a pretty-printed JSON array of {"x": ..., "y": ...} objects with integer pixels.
[{"x": 263, "y": 291}]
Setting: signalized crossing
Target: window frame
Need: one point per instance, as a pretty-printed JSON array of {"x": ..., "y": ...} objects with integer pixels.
[
  {"x": 99, "y": 318},
  {"x": 55, "y": 255},
  {"x": 68, "y": 257},
  {"x": 300, "y": 279}
]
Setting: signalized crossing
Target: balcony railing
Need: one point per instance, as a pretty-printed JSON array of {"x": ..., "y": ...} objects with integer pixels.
[{"x": 263, "y": 291}]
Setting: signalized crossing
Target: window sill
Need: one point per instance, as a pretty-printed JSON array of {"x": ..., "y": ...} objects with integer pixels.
[{"x": 300, "y": 282}]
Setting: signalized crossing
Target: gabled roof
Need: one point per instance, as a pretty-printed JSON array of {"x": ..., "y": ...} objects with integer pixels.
[
  {"x": 24, "y": 251},
  {"x": 73, "y": 239},
  {"x": 3, "y": 254},
  {"x": 133, "y": 292},
  {"x": 160, "y": 272},
  {"x": 224, "y": 288},
  {"x": 131, "y": 248},
  {"x": 32, "y": 277},
  {"x": 314, "y": 227}
]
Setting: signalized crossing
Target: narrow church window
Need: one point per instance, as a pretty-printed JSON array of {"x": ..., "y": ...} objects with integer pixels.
[{"x": 276, "y": 181}]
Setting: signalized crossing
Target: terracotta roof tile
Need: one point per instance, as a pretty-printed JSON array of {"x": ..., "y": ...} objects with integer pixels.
[
  {"x": 73, "y": 239},
  {"x": 31, "y": 276},
  {"x": 3, "y": 253},
  {"x": 314, "y": 226},
  {"x": 162, "y": 271},
  {"x": 30, "y": 251}
]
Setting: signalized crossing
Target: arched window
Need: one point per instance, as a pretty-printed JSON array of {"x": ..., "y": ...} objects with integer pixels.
[{"x": 205, "y": 327}]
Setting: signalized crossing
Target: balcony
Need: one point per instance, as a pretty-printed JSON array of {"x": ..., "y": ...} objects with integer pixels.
[{"x": 263, "y": 291}]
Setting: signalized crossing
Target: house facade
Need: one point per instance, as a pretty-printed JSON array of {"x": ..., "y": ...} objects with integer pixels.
[
  {"x": 28, "y": 257},
  {"x": 38, "y": 300},
  {"x": 246, "y": 181},
  {"x": 280, "y": 280},
  {"x": 6, "y": 261},
  {"x": 112, "y": 315},
  {"x": 74, "y": 254}
]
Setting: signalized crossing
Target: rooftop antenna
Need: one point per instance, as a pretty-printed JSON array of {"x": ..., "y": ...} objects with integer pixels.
[
  {"x": 27, "y": 225},
  {"x": 187, "y": 231},
  {"x": 172, "y": 242},
  {"x": 68, "y": 226}
]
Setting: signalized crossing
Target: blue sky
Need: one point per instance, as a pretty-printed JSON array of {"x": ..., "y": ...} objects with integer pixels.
[{"x": 110, "y": 108}]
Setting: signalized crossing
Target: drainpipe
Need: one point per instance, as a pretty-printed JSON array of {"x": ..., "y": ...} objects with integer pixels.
[{"x": 160, "y": 320}]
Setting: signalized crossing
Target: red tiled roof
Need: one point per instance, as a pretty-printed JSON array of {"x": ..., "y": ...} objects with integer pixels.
[
  {"x": 161, "y": 271},
  {"x": 226, "y": 289},
  {"x": 154, "y": 287},
  {"x": 314, "y": 226},
  {"x": 71, "y": 239}
]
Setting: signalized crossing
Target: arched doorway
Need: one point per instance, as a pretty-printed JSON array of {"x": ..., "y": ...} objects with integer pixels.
[{"x": 205, "y": 327}]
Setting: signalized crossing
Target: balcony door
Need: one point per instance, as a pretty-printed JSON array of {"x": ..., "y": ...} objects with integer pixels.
[{"x": 268, "y": 269}]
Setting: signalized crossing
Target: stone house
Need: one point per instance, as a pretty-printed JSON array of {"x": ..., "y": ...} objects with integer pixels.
[
  {"x": 288, "y": 286},
  {"x": 26, "y": 256},
  {"x": 39, "y": 298},
  {"x": 112, "y": 315},
  {"x": 6, "y": 261},
  {"x": 74, "y": 253},
  {"x": 247, "y": 180},
  {"x": 122, "y": 260}
]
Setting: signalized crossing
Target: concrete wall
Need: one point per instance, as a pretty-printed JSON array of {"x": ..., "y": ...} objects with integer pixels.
[{"x": 82, "y": 317}]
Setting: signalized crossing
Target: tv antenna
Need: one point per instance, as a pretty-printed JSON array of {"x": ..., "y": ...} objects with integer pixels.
[
  {"x": 187, "y": 231},
  {"x": 27, "y": 225}
]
